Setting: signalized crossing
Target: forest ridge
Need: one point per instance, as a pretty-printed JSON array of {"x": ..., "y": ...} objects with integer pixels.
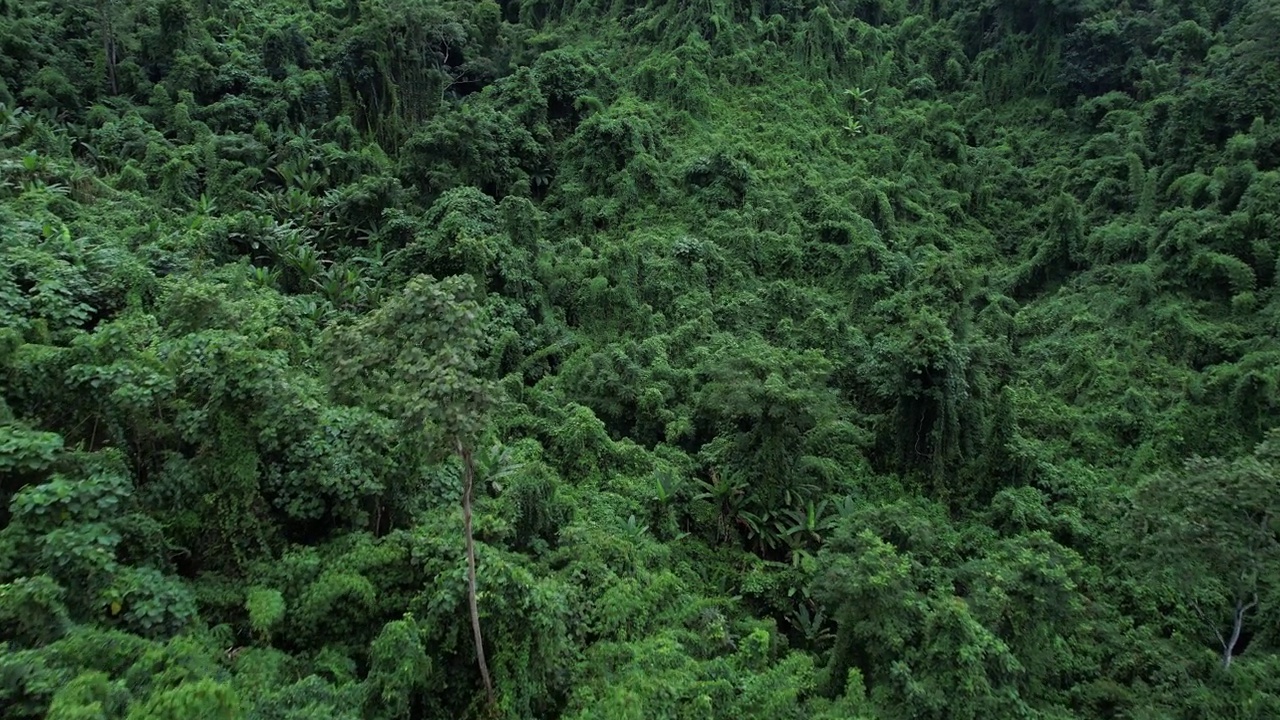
[{"x": 610, "y": 360}]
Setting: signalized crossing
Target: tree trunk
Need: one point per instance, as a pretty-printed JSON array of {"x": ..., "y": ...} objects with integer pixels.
[
  {"x": 468, "y": 482},
  {"x": 1237, "y": 624},
  {"x": 108, "y": 43}
]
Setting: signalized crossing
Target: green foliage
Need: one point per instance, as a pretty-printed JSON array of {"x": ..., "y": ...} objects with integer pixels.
[
  {"x": 400, "y": 669},
  {"x": 815, "y": 360},
  {"x": 266, "y": 609},
  {"x": 416, "y": 356},
  {"x": 201, "y": 698},
  {"x": 23, "y": 450}
]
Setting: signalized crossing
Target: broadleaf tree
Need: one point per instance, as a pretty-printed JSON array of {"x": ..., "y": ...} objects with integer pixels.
[
  {"x": 417, "y": 358},
  {"x": 1209, "y": 531}
]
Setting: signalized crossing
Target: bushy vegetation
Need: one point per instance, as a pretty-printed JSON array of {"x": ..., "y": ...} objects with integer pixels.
[{"x": 596, "y": 359}]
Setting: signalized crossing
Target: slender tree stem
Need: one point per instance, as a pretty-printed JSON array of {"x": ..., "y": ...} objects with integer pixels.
[
  {"x": 468, "y": 476},
  {"x": 1229, "y": 647},
  {"x": 108, "y": 43}
]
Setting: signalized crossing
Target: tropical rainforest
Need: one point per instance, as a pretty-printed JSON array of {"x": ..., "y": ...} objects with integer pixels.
[{"x": 628, "y": 359}]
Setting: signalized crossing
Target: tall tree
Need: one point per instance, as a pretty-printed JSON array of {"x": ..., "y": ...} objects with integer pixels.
[
  {"x": 418, "y": 357},
  {"x": 106, "y": 28}
]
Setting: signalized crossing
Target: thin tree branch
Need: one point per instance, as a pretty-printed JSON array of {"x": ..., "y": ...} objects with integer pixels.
[{"x": 1212, "y": 625}]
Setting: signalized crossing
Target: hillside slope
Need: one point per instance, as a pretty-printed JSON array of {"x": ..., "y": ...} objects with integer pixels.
[{"x": 818, "y": 360}]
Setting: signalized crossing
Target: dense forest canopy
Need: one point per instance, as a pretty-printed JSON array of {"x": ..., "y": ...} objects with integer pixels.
[{"x": 608, "y": 359}]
